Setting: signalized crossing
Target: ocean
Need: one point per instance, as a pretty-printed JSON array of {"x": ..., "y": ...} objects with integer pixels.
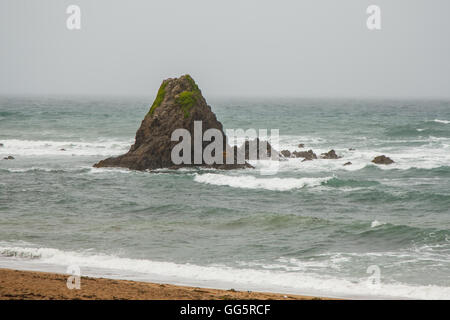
[{"x": 315, "y": 227}]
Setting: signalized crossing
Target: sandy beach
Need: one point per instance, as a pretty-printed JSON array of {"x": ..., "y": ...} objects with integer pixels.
[{"x": 30, "y": 285}]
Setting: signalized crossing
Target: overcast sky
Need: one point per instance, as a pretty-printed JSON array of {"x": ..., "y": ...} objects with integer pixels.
[{"x": 299, "y": 48}]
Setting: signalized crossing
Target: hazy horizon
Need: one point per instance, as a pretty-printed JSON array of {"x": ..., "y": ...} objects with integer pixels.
[
  {"x": 213, "y": 97},
  {"x": 309, "y": 49}
]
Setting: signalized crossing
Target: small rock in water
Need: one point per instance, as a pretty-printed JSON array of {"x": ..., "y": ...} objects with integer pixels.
[
  {"x": 382, "y": 160},
  {"x": 351, "y": 149},
  {"x": 301, "y": 145},
  {"x": 329, "y": 155},
  {"x": 2, "y": 145},
  {"x": 9, "y": 158},
  {"x": 348, "y": 163},
  {"x": 307, "y": 155},
  {"x": 286, "y": 153},
  {"x": 62, "y": 149}
]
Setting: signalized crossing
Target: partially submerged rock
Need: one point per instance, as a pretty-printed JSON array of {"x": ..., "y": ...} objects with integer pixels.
[
  {"x": 9, "y": 158},
  {"x": 330, "y": 155},
  {"x": 382, "y": 160},
  {"x": 347, "y": 164},
  {"x": 2, "y": 145},
  {"x": 301, "y": 145},
  {"x": 307, "y": 155},
  {"x": 286, "y": 153},
  {"x": 178, "y": 104}
]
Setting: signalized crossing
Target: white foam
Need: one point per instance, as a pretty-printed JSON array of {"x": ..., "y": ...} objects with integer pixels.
[
  {"x": 426, "y": 153},
  {"x": 433, "y": 153},
  {"x": 285, "y": 141},
  {"x": 442, "y": 121},
  {"x": 111, "y": 266},
  {"x": 72, "y": 148},
  {"x": 376, "y": 223},
  {"x": 44, "y": 169},
  {"x": 111, "y": 170},
  {"x": 251, "y": 182}
]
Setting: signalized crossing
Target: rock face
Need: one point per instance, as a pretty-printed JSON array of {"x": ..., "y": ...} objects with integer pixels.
[
  {"x": 307, "y": 155},
  {"x": 330, "y": 155},
  {"x": 178, "y": 104},
  {"x": 382, "y": 160}
]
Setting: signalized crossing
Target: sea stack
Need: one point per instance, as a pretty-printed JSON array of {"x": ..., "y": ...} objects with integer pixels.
[{"x": 179, "y": 102}]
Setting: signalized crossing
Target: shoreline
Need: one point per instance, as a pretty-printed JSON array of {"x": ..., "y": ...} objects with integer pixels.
[{"x": 36, "y": 285}]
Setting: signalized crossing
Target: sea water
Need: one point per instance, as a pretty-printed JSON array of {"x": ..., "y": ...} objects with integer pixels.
[{"x": 315, "y": 227}]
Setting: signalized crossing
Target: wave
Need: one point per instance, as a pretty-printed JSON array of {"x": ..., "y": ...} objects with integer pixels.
[
  {"x": 5, "y": 114},
  {"x": 376, "y": 223},
  {"x": 442, "y": 121},
  {"x": 246, "y": 278},
  {"x": 251, "y": 182},
  {"x": 378, "y": 233},
  {"x": 434, "y": 153},
  {"x": 43, "y": 169},
  {"x": 337, "y": 183},
  {"x": 75, "y": 170},
  {"x": 420, "y": 131},
  {"x": 64, "y": 148},
  {"x": 274, "y": 221}
]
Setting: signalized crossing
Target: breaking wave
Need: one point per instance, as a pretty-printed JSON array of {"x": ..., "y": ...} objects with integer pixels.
[
  {"x": 251, "y": 182},
  {"x": 251, "y": 276},
  {"x": 64, "y": 148},
  {"x": 442, "y": 121}
]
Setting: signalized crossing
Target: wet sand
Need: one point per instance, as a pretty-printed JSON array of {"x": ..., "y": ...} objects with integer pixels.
[{"x": 31, "y": 285}]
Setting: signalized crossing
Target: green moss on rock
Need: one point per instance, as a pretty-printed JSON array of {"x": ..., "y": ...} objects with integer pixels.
[
  {"x": 193, "y": 84},
  {"x": 188, "y": 98},
  {"x": 159, "y": 98}
]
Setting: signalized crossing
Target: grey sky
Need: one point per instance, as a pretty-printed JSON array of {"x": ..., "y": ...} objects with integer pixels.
[{"x": 230, "y": 47}]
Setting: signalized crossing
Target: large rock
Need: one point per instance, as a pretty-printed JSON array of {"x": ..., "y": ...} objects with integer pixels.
[
  {"x": 382, "y": 160},
  {"x": 307, "y": 155},
  {"x": 178, "y": 104},
  {"x": 330, "y": 155}
]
